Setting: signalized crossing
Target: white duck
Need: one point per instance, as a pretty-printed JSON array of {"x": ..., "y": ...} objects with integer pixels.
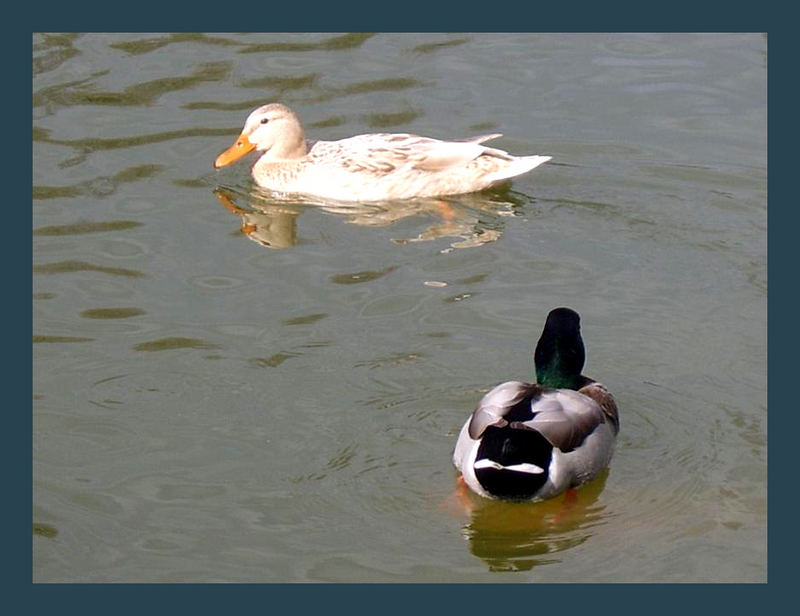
[
  {"x": 532, "y": 441},
  {"x": 370, "y": 167}
]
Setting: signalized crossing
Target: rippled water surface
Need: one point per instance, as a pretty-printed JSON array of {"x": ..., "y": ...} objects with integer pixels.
[{"x": 231, "y": 387}]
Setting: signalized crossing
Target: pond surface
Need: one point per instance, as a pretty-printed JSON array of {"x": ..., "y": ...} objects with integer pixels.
[{"x": 232, "y": 387}]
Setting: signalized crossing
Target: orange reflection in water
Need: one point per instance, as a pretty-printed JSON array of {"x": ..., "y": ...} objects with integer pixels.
[{"x": 511, "y": 536}]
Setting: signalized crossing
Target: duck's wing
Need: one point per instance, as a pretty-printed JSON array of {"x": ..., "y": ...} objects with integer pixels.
[
  {"x": 380, "y": 153},
  {"x": 497, "y": 407},
  {"x": 598, "y": 392},
  {"x": 564, "y": 417},
  {"x": 435, "y": 155}
]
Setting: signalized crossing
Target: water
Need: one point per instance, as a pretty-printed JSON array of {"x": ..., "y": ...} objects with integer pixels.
[{"x": 211, "y": 408}]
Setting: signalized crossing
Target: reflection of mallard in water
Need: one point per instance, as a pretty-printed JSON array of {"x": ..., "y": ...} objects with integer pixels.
[
  {"x": 520, "y": 536},
  {"x": 475, "y": 218},
  {"x": 370, "y": 167}
]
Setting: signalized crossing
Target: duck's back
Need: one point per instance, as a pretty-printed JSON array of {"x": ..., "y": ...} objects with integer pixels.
[
  {"x": 384, "y": 166},
  {"x": 527, "y": 442}
]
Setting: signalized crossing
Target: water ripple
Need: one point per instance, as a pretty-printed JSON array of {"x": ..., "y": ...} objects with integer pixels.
[
  {"x": 81, "y": 228},
  {"x": 140, "y": 94},
  {"x": 70, "y": 266},
  {"x": 53, "y": 51},
  {"x": 336, "y": 43},
  {"x": 144, "y": 46}
]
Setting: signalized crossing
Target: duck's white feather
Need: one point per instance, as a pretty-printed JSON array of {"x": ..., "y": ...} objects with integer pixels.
[{"x": 369, "y": 167}]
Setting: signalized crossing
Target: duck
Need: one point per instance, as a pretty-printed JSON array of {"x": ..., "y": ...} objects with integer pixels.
[
  {"x": 533, "y": 441},
  {"x": 368, "y": 167}
]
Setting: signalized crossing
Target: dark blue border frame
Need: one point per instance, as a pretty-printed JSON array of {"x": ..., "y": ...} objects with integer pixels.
[{"x": 413, "y": 16}]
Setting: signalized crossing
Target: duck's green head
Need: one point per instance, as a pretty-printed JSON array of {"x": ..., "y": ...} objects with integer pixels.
[{"x": 560, "y": 355}]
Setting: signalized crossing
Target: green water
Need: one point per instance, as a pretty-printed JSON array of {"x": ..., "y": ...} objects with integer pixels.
[{"x": 230, "y": 387}]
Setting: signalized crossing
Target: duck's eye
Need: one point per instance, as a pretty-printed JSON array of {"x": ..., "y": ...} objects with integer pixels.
[{"x": 264, "y": 120}]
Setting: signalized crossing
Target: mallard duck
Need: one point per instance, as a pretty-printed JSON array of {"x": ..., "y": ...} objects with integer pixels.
[
  {"x": 533, "y": 441},
  {"x": 371, "y": 167}
]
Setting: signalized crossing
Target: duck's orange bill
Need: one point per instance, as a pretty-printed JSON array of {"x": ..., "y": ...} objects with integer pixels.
[{"x": 239, "y": 148}]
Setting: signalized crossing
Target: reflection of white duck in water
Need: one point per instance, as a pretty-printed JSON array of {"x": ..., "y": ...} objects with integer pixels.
[
  {"x": 533, "y": 441},
  {"x": 271, "y": 221},
  {"x": 274, "y": 228},
  {"x": 370, "y": 167}
]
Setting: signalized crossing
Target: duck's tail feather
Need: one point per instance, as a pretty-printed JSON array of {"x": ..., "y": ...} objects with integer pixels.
[
  {"x": 512, "y": 463},
  {"x": 517, "y": 166},
  {"x": 479, "y": 138}
]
